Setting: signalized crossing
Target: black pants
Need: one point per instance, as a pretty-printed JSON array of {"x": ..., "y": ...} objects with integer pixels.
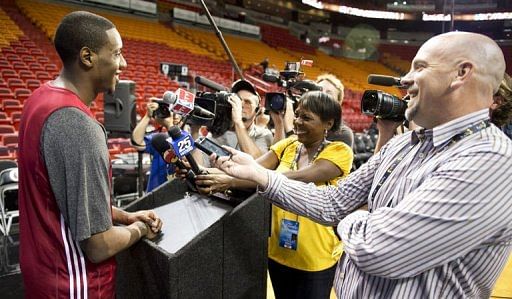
[{"x": 292, "y": 283}]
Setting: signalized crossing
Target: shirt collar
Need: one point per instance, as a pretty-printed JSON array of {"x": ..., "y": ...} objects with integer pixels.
[{"x": 443, "y": 133}]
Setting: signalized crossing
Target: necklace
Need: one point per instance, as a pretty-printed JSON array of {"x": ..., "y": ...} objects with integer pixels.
[{"x": 320, "y": 148}]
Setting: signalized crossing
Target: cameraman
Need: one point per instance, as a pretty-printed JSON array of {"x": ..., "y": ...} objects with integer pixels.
[
  {"x": 160, "y": 170},
  {"x": 244, "y": 134}
]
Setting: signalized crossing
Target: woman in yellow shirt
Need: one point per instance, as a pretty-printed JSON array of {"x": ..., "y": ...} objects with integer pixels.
[{"x": 302, "y": 257}]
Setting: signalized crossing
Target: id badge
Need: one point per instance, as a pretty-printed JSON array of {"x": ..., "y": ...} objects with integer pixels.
[{"x": 288, "y": 234}]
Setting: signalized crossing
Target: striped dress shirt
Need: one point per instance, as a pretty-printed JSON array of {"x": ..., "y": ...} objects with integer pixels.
[{"x": 440, "y": 226}]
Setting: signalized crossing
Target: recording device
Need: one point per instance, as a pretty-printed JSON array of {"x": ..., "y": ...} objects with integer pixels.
[
  {"x": 275, "y": 101},
  {"x": 209, "y": 83},
  {"x": 383, "y": 80},
  {"x": 183, "y": 144},
  {"x": 383, "y": 105},
  {"x": 217, "y": 103},
  {"x": 183, "y": 103},
  {"x": 162, "y": 111},
  {"x": 291, "y": 80},
  {"x": 161, "y": 144},
  {"x": 209, "y": 147}
]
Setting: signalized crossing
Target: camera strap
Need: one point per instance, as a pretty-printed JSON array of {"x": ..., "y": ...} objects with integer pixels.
[{"x": 467, "y": 132}]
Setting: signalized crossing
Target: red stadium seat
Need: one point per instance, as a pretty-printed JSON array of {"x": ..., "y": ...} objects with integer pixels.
[
  {"x": 10, "y": 106},
  {"x": 4, "y": 130},
  {"x": 4, "y": 64},
  {"x": 51, "y": 68},
  {"x": 33, "y": 84},
  {"x": 10, "y": 140},
  {"x": 15, "y": 120},
  {"x": 8, "y": 73},
  {"x": 5, "y": 154},
  {"x": 36, "y": 52},
  {"x": 43, "y": 76},
  {"x": 6, "y": 93},
  {"x": 26, "y": 74},
  {"x": 35, "y": 66},
  {"x": 28, "y": 58},
  {"x": 43, "y": 60},
  {"x": 14, "y": 83},
  {"x": 22, "y": 94}
]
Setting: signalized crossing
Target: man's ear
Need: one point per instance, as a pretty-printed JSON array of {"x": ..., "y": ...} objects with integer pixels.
[
  {"x": 87, "y": 56},
  {"x": 464, "y": 71}
]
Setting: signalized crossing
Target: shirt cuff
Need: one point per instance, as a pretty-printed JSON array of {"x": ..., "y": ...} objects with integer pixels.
[
  {"x": 274, "y": 182},
  {"x": 346, "y": 226}
]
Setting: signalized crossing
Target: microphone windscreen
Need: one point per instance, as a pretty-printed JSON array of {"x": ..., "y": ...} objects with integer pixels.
[
  {"x": 383, "y": 80},
  {"x": 174, "y": 132},
  {"x": 169, "y": 97},
  {"x": 209, "y": 83},
  {"x": 159, "y": 142}
]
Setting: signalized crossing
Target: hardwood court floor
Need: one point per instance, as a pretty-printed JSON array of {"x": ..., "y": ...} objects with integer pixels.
[{"x": 502, "y": 289}]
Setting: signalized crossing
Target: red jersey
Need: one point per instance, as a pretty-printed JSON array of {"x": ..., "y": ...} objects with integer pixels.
[{"x": 52, "y": 263}]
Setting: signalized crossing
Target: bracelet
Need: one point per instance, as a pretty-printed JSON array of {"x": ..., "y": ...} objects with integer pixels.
[
  {"x": 289, "y": 133},
  {"x": 228, "y": 192}
]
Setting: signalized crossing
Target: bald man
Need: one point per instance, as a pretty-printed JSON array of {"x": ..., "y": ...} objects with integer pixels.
[{"x": 438, "y": 223}]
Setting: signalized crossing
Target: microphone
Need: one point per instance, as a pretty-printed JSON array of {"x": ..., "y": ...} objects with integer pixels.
[
  {"x": 210, "y": 84},
  {"x": 272, "y": 78},
  {"x": 182, "y": 102},
  {"x": 183, "y": 145},
  {"x": 159, "y": 142},
  {"x": 384, "y": 80},
  {"x": 307, "y": 85}
]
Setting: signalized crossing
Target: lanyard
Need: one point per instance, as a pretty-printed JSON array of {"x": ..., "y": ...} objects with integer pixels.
[
  {"x": 469, "y": 131},
  {"x": 295, "y": 162},
  {"x": 294, "y": 165}
]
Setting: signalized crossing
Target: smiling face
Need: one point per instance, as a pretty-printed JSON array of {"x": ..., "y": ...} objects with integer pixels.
[
  {"x": 452, "y": 75},
  {"x": 429, "y": 83},
  {"x": 110, "y": 62},
  {"x": 308, "y": 126}
]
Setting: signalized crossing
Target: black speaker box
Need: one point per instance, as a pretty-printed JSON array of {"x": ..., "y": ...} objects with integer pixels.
[
  {"x": 209, "y": 248},
  {"x": 120, "y": 111}
]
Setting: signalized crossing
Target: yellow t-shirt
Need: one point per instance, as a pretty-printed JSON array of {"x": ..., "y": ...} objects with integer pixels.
[{"x": 315, "y": 242}]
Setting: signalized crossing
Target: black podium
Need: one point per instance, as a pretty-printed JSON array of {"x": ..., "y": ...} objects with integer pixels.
[{"x": 209, "y": 248}]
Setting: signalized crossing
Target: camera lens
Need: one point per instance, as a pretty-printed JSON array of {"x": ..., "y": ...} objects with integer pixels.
[
  {"x": 276, "y": 102},
  {"x": 369, "y": 102},
  {"x": 383, "y": 105}
]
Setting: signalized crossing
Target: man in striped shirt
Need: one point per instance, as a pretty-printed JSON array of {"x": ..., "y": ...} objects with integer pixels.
[{"x": 438, "y": 223}]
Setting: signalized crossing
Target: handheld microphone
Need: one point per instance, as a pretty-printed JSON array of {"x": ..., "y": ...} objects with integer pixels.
[
  {"x": 384, "y": 80},
  {"x": 182, "y": 102},
  {"x": 272, "y": 78},
  {"x": 210, "y": 84},
  {"x": 307, "y": 85},
  {"x": 183, "y": 145},
  {"x": 159, "y": 142}
]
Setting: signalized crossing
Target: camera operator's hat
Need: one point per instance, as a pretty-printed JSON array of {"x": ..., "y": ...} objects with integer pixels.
[{"x": 244, "y": 85}]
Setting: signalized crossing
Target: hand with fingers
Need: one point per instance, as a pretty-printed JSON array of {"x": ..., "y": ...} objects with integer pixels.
[
  {"x": 150, "y": 218},
  {"x": 212, "y": 183},
  {"x": 240, "y": 165}
]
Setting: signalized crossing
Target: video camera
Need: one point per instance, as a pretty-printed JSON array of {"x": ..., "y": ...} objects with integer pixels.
[
  {"x": 163, "y": 110},
  {"x": 384, "y": 105},
  {"x": 292, "y": 80}
]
